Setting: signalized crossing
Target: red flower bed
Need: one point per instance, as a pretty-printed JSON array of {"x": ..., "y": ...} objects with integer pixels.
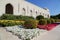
[
  {"x": 47, "y": 27},
  {"x": 50, "y": 26},
  {"x": 41, "y": 26}
]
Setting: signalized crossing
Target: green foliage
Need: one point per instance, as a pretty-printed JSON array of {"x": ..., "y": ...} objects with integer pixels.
[
  {"x": 52, "y": 20},
  {"x": 39, "y": 17},
  {"x": 7, "y": 17},
  {"x": 30, "y": 24},
  {"x": 14, "y": 17},
  {"x": 57, "y": 20},
  {"x": 25, "y": 18},
  {"x": 48, "y": 21},
  {"x": 10, "y": 22},
  {"x": 42, "y": 22},
  {"x": 28, "y": 39},
  {"x": 56, "y": 16}
]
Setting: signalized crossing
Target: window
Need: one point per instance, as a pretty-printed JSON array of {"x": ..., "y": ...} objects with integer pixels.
[
  {"x": 40, "y": 13},
  {"x": 9, "y": 9},
  {"x": 36, "y": 12},
  {"x": 24, "y": 12},
  {"x": 23, "y": 9},
  {"x": 31, "y": 11},
  {"x": 48, "y": 16}
]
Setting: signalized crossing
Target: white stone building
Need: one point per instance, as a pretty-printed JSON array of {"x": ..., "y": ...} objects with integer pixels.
[{"x": 22, "y": 7}]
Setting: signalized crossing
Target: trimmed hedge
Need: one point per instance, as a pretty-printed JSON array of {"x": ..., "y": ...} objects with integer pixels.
[
  {"x": 10, "y": 22},
  {"x": 8, "y": 17},
  {"x": 52, "y": 20},
  {"x": 42, "y": 22},
  {"x": 14, "y": 17},
  {"x": 57, "y": 20},
  {"x": 48, "y": 21},
  {"x": 30, "y": 24}
]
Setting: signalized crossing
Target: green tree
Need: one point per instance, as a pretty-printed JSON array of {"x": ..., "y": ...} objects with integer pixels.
[{"x": 39, "y": 17}]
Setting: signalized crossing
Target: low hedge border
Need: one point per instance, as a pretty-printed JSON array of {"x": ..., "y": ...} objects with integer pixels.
[{"x": 10, "y": 22}]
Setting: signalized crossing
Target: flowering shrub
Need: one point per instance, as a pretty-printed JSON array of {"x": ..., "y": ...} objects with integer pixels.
[
  {"x": 24, "y": 34},
  {"x": 30, "y": 24},
  {"x": 11, "y": 22}
]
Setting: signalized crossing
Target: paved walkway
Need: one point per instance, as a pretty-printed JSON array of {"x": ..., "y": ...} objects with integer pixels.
[
  {"x": 51, "y": 35},
  {"x": 7, "y": 35}
]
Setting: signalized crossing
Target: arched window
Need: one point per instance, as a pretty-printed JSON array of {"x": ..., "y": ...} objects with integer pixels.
[
  {"x": 36, "y": 12},
  {"x": 40, "y": 13},
  {"x": 23, "y": 9},
  {"x": 9, "y": 9},
  {"x": 31, "y": 11},
  {"x": 48, "y": 16}
]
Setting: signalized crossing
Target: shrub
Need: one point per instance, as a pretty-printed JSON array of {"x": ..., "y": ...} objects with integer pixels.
[
  {"x": 42, "y": 22},
  {"x": 54, "y": 17},
  {"x": 48, "y": 21},
  {"x": 14, "y": 17},
  {"x": 52, "y": 20},
  {"x": 10, "y": 22},
  {"x": 7, "y": 17},
  {"x": 6, "y": 23},
  {"x": 26, "y": 18},
  {"x": 17, "y": 22},
  {"x": 39, "y": 17},
  {"x": 57, "y": 20},
  {"x": 19, "y": 17},
  {"x": 28, "y": 39},
  {"x": 30, "y": 24}
]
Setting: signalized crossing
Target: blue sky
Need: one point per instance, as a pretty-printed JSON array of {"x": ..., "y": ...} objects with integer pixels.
[{"x": 52, "y": 5}]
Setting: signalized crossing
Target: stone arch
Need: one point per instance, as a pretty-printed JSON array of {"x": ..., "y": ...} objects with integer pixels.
[{"x": 9, "y": 9}]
